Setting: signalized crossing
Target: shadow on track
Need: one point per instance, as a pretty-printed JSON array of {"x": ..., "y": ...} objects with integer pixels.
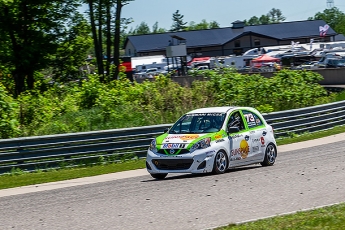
[{"x": 196, "y": 175}]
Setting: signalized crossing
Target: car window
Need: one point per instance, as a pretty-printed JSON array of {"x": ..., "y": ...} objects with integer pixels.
[
  {"x": 235, "y": 120},
  {"x": 199, "y": 123},
  {"x": 252, "y": 119}
]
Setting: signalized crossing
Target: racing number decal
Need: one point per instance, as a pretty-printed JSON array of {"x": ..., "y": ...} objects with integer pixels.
[{"x": 249, "y": 117}]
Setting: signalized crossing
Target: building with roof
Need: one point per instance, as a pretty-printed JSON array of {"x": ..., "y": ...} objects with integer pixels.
[{"x": 230, "y": 40}]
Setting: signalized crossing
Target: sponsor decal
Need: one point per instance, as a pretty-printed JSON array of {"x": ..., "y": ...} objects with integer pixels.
[
  {"x": 250, "y": 124},
  {"x": 173, "y": 146},
  {"x": 206, "y": 114},
  {"x": 236, "y": 136},
  {"x": 218, "y": 136},
  {"x": 262, "y": 139},
  {"x": 170, "y": 156},
  {"x": 220, "y": 140},
  {"x": 184, "y": 137},
  {"x": 241, "y": 152},
  {"x": 252, "y": 132},
  {"x": 255, "y": 148},
  {"x": 254, "y": 140},
  {"x": 244, "y": 149},
  {"x": 210, "y": 153}
]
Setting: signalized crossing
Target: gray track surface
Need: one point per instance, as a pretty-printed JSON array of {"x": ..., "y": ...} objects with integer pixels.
[{"x": 299, "y": 180}]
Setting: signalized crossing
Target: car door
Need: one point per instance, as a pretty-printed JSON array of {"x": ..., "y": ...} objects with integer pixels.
[
  {"x": 257, "y": 132},
  {"x": 239, "y": 141}
]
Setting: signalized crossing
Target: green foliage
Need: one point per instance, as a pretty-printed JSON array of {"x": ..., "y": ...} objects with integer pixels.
[
  {"x": 178, "y": 23},
  {"x": 285, "y": 90},
  {"x": 273, "y": 16},
  {"x": 9, "y": 125},
  {"x": 92, "y": 105},
  {"x": 30, "y": 42},
  {"x": 202, "y": 25},
  {"x": 333, "y": 17}
]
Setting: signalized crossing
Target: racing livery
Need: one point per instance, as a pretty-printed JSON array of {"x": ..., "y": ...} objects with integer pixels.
[{"x": 212, "y": 140}]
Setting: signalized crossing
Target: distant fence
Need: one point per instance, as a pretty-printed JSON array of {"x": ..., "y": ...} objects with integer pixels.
[{"x": 68, "y": 150}]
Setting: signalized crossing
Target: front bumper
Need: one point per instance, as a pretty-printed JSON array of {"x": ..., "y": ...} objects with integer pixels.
[{"x": 200, "y": 161}]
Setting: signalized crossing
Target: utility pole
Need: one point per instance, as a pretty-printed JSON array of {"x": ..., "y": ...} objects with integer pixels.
[{"x": 330, "y": 4}]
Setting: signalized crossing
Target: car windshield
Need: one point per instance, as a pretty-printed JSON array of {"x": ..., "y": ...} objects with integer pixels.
[{"x": 198, "y": 123}]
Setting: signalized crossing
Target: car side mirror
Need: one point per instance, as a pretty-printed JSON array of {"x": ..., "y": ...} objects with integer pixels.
[{"x": 233, "y": 129}]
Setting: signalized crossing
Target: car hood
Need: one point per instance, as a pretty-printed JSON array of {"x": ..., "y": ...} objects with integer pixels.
[{"x": 185, "y": 140}]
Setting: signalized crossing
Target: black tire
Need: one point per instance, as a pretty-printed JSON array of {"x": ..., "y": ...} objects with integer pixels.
[
  {"x": 270, "y": 155},
  {"x": 159, "y": 176},
  {"x": 221, "y": 162}
]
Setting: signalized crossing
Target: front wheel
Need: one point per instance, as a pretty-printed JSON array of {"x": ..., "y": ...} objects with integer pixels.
[
  {"x": 220, "y": 163},
  {"x": 270, "y": 155},
  {"x": 159, "y": 176}
]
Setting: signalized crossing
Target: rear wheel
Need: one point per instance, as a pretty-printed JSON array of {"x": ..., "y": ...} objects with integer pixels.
[
  {"x": 270, "y": 155},
  {"x": 220, "y": 162},
  {"x": 159, "y": 176}
]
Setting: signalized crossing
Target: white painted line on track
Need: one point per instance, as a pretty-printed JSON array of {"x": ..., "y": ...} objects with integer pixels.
[{"x": 143, "y": 172}]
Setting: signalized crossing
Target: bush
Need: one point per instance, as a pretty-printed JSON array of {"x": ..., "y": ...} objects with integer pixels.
[
  {"x": 9, "y": 125},
  {"x": 93, "y": 105}
]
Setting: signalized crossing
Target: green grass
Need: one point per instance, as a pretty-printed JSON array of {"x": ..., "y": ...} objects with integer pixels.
[
  {"x": 330, "y": 218},
  {"x": 18, "y": 178},
  {"x": 310, "y": 136}
]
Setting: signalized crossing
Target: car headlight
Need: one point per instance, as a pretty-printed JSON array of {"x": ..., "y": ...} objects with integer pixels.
[
  {"x": 153, "y": 146},
  {"x": 202, "y": 144}
]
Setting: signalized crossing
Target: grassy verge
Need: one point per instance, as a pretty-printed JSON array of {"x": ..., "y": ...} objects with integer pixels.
[
  {"x": 323, "y": 218},
  {"x": 18, "y": 178},
  {"x": 21, "y": 179}
]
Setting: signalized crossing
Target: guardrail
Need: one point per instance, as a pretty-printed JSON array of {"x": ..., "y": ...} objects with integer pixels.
[{"x": 69, "y": 150}]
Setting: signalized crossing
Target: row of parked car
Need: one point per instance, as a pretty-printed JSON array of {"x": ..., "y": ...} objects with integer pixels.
[{"x": 330, "y": 62}]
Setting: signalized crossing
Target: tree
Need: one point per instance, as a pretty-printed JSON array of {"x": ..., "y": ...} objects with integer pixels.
[
  {"x": 110, "y": 10},
  {"x": 333, "y": 17},
  {"x": 117, "y": 35},
  {"x": 30, "y": 34},
  {"x": 202, "y": 25},
  {"x": 72, "y": 50},
  {"x": 213, "y": 25},
  {"x": 264, "y": 19},
  {"x": 97, "y": 37},
  {"x": 142, "y": 28},
  {"x": 253, "y": 21},
  {"x": 178, "y": 23},
  {"x": 156, "y": 29},
  {"x": 273, "y": 16}
]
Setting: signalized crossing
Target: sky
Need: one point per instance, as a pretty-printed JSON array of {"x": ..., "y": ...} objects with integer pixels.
[{"x": 222, "y": 11}]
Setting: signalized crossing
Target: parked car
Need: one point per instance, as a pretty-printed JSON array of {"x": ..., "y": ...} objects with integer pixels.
[
  {"x": 308, "y": 65},
  {"x": 148, "y": 73},
  {"x": 212, "y": 140}
]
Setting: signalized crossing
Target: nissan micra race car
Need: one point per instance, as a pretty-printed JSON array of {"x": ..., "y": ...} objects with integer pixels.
[{"x": 212, "y": 140}]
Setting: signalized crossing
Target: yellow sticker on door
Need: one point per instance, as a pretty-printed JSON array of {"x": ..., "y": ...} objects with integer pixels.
[{"x": 244, "y": 147}]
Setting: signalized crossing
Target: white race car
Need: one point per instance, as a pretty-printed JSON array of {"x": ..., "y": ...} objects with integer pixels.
[{"x": 212, "y": 140}]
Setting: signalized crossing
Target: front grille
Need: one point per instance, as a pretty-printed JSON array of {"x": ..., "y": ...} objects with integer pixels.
[
  {"x": 172, "y": 164},
  {"x": 177, "y": 151}
]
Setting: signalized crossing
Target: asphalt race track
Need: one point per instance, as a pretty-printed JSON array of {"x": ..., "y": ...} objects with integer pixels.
[{"x": 300, "y": 179}]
